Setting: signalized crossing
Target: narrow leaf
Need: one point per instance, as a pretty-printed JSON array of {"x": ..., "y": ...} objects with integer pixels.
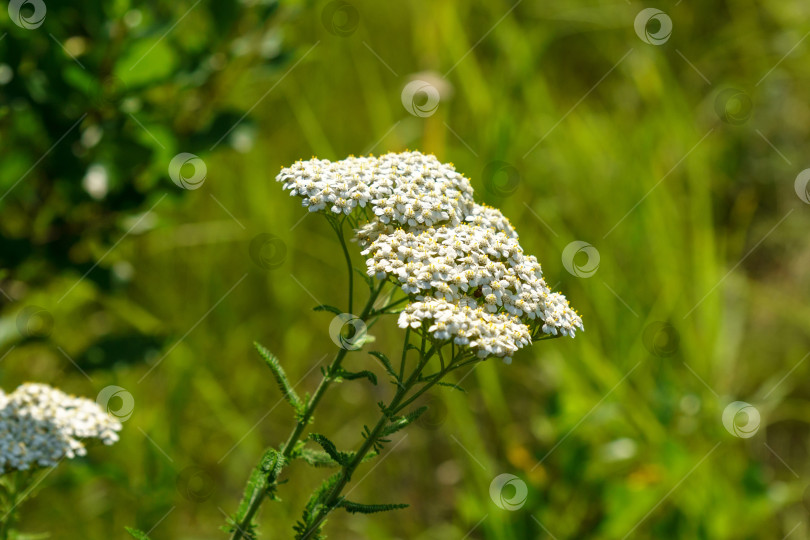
[
  {"x": 135, "y": 533},
  {"x": 451, "y": 385},
  {"x": 403, "y": 421},
  {"x": 351, "y": 376},
  {"x": 385, "y": 362},
  {"x": 281, "y": 378},
  {"x": 359, "y": 508},
  {"x": 330, "y": 448},
  {"x": 325, "y": 307}
]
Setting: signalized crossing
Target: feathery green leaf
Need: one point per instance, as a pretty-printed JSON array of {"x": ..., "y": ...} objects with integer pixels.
[
  {"x": 329, "y": 447},
  {"x": 331, "y": 309},
  {"x": 451, "y": 385},
  {"x": 359, "y": 508},
  {"x": 281, "y": 378},
  {"x": 385, "y": 362},
  {"x": 402, "y": 421},
  {"x": 316, "y": 458}
]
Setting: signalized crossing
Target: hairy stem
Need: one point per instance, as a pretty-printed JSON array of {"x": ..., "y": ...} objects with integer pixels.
[
  {"x": 349, "y": 267},
  {"x": 398, "y": 402},
  {"x": 12, "y": 500},
  {"x": 454, "y": 364},
  {"x": 404, "y": 354},
  {"x": 260, "y": 492}
]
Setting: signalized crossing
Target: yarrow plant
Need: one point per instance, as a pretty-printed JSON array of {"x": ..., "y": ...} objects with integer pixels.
[
  {"x": 453, "y": 274},
  {"x": 41, "y": 426}
]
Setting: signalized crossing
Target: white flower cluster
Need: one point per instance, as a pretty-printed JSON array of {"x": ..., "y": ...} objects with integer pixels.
[
  {"x": 408, "y": 189},
  {"x": 455, "y": 263},
  {"x": 459, "y": 261},
  {"x": 40, "y": 425},
  {"x": 497, "y": 334},
  {"x": 490, "y": 218}
]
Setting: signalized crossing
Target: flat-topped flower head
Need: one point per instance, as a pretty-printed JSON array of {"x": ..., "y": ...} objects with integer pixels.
[
  {"x": 41, "y": 425},
  {"x": 409, "y": 188},
  {"x": 460, "y": 262}
]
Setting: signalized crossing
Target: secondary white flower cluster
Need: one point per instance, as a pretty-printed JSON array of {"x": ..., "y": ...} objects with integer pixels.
[
  {"x": 490, "y": 334},
  {"x": 454, "y": 263},
  {"x": 40, "y": 425},
  {"x": 460, "y": 261}
]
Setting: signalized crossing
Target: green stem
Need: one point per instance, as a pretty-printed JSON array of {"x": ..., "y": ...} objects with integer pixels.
[
  {"x": 260, "y": 492},
  {"x": 12, "y": 500},
  {"x": 350, "y": 268},
  {"x": 396, "y": 404},
  {"x": 404, "y": 354},
  {"x": 452, "y": 366},
  {"x": 392, "y": 304}
]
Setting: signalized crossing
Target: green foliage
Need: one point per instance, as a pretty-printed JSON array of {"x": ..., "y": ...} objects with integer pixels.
[
  {"x": 330, "y": 309},
  {"x": 618, "y": 447},
  {"x": 351, "y": 376},
  {"x": 262, "y": 479},
  {"x": 135, "y": 533},
  {"x": 281, "y": 378},
  {"x": 316, "y": 458},
  {"x": 401, "y": 422},
  {"x": 316, "y": 500},
  {"x": 272, "y": 462},
  {"x": 451, "y": 385},
  {"x": 320, "y": 459},
  {"x": 358, "y": 508},
  {"x": 341, "y": 458},
  {"x": 385, "y": 362}
]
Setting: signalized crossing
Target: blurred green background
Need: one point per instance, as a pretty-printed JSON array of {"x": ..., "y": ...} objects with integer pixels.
[{"x": 676, "y": 161}]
